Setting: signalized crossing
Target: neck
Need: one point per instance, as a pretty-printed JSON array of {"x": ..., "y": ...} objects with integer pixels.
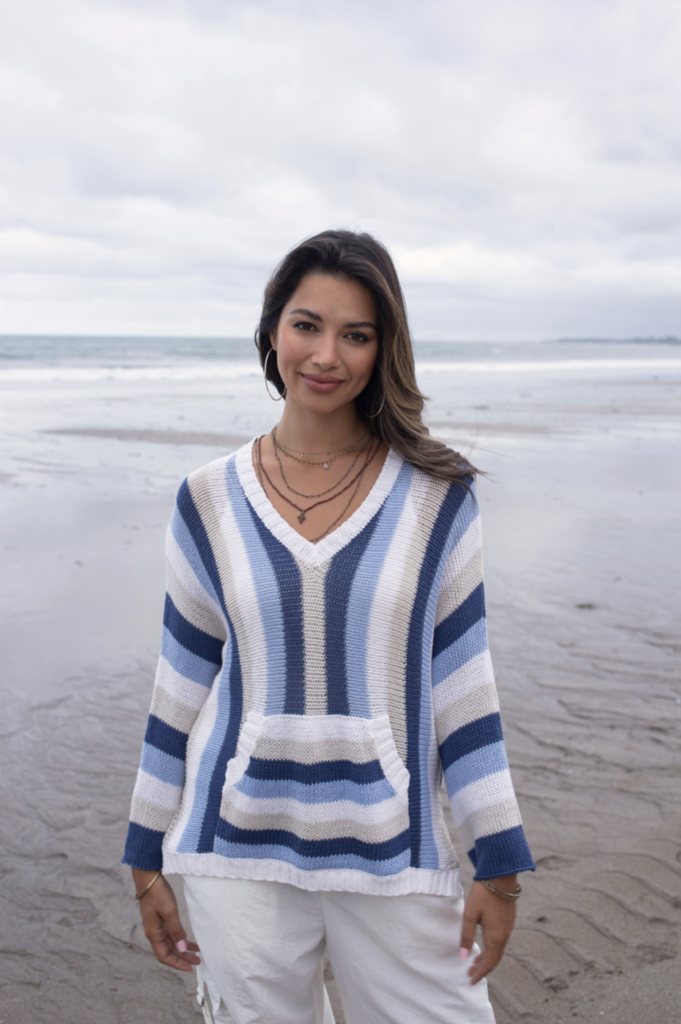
[{"x": 303, "y": 431}]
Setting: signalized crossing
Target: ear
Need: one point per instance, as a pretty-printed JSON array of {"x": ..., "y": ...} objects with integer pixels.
[{"x": 273, "y": 339}]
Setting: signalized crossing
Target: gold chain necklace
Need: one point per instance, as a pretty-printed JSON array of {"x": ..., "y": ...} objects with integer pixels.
[
  {"x": 325, "y": 463},
  {"x": 321, "y": 494},
  {"x": 304, "y": 511}
]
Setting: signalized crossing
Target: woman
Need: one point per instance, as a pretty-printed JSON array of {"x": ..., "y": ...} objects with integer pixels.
[{"x": 324, "y": 661}]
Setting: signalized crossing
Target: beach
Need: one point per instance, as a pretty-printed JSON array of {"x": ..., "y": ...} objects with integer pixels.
[{"x": 581, "y": 511}]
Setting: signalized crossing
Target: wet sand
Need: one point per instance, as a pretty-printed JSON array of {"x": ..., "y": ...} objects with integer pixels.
[{"x": 582, "y": 540}]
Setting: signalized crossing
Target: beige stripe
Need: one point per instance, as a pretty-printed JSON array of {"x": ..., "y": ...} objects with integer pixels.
[
  {"x": 314, "y": 646},
  {"x": 150, "y": 815},
  {"x": 388, "y": 631},
  {"x": 458, "y": 584},
  {"x": 198, "y": 614},
  {"x": 340, "y": 828},
  {"x": 271, "y": 749},
  {"x": 209, "y": 491},
  {"x": 476, "y": 704},
  {"x": 486, "y": 821},
  {"x": 172, "y": 711}
]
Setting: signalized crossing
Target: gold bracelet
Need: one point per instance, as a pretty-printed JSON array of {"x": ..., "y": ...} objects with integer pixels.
[
  {"x": 139, "y": 895},
  {"x": 513, "y": 896}
]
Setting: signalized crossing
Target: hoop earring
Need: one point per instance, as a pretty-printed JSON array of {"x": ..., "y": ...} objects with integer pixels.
[{"x": 264, "y": 370}]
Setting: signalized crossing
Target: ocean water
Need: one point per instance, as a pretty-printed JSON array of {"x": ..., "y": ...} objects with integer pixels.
[{"x": 114, "y": 414}]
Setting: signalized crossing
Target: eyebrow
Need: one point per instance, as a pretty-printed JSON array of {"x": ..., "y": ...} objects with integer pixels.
[{"x": 318, "y": 318}]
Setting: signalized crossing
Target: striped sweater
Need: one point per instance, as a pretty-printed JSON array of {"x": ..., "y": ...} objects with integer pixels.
[{"x": 309, "y": 697}]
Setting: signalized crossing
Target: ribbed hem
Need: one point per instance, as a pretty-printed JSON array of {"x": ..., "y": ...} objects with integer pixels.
[{"x": 411, "y": 880}]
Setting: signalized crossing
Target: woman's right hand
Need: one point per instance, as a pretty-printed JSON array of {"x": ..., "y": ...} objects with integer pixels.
[{"x": 162, "y": 925}]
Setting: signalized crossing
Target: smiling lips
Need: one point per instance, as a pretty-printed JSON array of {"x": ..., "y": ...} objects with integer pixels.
[{"x": 323, "y": 385}]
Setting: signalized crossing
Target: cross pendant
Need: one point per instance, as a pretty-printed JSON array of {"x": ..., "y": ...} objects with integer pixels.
[{"x": 301, "y": 517}]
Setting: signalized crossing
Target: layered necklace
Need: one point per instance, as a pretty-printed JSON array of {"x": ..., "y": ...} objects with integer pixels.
[{"x": 366, "y": 442}]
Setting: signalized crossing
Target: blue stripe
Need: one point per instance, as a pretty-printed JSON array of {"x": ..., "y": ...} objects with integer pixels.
[
  {"x": 318, "y": 793},
  {"x": 187, "y": 664},
  {"x": 418, "y": 731},
  {"x": 337, "y": 586},
  {"x": 143, "y": 847},
  {"x": 187, "y": 545},
  {"x": 382, "y": 869},
  {"x": 363, "y": 591},
  {"x": 310, "y": 774},
  {"x": 502, "y": 853},
  {"x": 337, "y": 847},
  {"x": 166, "y": 738},
  {"x": 230, "y": 696},
  {"x": 475, "y": 766},
  {"x": 267, "y": 592},
  {"x": 162, "y": 766},
  {"x": 474, "y": 642},
  {"x": 193, "y": 639},
  {"x": 460, "y": 621},
  {"x": 481, "y": 733},
  {"x": 288, "y": 581}
]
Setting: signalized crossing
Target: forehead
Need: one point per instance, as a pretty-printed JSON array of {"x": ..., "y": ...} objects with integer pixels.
[{"x": 334, "y": 295}]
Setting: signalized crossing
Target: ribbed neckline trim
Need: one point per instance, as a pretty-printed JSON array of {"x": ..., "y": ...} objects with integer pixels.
[{"x": 314, "y": 554}]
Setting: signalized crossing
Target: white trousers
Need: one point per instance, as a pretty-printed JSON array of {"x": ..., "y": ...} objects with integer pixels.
[{"x": 395, "y": 958}]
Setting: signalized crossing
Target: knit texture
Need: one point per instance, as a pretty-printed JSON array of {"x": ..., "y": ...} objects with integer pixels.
[{"x": 309, "y": 697}]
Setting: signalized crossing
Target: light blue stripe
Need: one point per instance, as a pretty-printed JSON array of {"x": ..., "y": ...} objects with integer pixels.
[
  {"x": 362, "y": 594},
  {"x": 470, "y": 645},
  {"x": 372, "y": 867},
  {"x": 319, "y": 793},
  {"x": 268, "y": 594},
  {"x": 185, "y": 542},
  {"x": 162, "y": 766},
  {"x": 476, "y": 765},
  {"x": 466, "y": 514},
  {"x": 186, "y": 663},
  {"x": 458, "y": 654}
]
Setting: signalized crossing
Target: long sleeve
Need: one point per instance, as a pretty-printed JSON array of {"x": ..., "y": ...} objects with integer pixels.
[
  {"x": 466, "y": 706},
  {"x": 192, "y": 643}
]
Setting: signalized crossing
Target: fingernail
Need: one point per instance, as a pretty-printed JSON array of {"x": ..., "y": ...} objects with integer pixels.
[
  {"x": 463, "y": 953},
  {"x": 182, "y": 946}
]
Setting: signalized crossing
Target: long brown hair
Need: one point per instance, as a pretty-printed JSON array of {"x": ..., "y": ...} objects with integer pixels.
[{"x": 391, "y": 401}]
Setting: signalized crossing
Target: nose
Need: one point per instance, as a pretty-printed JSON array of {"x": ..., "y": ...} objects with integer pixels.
[{"x": 326, "y": 353}]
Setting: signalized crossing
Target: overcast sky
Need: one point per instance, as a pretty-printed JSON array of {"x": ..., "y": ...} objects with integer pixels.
[{"x": 522, "y": 161}]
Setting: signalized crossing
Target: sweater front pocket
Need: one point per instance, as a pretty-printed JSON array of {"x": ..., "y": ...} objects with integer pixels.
[{"x": 319, "y": 791}]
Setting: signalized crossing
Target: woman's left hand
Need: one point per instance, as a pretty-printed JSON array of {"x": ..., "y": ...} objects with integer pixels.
[{"x": 496, "y": 917}]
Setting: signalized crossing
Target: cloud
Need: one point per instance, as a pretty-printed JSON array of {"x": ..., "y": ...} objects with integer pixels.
[{"x": 521, "y": 161}]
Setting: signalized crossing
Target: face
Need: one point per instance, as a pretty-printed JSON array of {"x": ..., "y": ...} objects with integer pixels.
[{"x": 327, "y": 342}]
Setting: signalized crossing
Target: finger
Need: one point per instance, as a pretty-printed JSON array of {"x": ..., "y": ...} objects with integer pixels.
[
  {"x": 483, "y": 964},
  {"x": 470, "y": 923}
]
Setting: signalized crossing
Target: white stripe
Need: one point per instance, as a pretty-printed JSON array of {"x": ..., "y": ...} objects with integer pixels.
[
  {"x": 162, "y": 794},
  {"x": 317, "y": 812},
  {"x": 311, "y": 728},
  {"x": 388, "y": 626},
  {"x": 467, "y": 547},
  {"x": 483, "y": 793},
  {"x": 314, "y": 639},
  {"x": 183, "y": 690},
  {"x": 187, "y": 576},
  {"x": 200, "y": 734},
  {"x": 241, "y": 597},
  {"x": 476, "y": 672}
]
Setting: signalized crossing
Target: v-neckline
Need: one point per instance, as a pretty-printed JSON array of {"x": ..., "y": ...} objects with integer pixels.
[{"x": 301, "y": 547}]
